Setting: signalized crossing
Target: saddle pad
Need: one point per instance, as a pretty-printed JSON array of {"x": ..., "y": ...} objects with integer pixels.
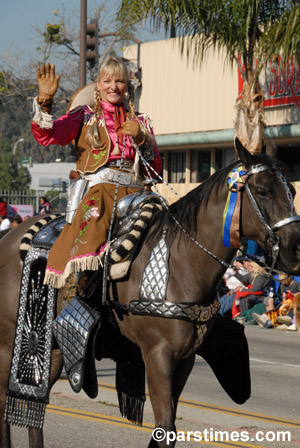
[{"x": 29, "y": 381}]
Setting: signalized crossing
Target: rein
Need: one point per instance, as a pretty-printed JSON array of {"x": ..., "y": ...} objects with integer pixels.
[
  {"x": 271, "y": 230},
  {"x": 108, "y": 242}
]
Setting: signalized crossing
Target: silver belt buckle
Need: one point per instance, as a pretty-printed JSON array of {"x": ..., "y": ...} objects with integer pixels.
[
  {"x": 124, "y": 178},
  {"x": 118, "y": 176}
]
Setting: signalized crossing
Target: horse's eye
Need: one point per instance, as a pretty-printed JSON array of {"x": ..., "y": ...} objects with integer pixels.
[{"x": 262, "y": 193}]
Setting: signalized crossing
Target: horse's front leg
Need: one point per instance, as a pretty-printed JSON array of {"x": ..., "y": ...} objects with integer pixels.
[
  {"x": 5, "y": 353},
  {"x": 160, "y": 367},
  {"x": 180, "y": 377},
  {"x": 36, "y": 438},
  {"x": 4, "y": 434},
  {"x": 169, "y": 399}
]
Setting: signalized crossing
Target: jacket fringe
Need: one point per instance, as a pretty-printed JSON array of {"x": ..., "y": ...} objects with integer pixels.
[
  {"x": 41, "y": 118},
  {"x": 90, "y": 263}
]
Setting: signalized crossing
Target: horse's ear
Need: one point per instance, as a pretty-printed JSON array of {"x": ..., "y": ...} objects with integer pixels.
[
  {"x": 244, "y": 155},
  {"x": 292, "y": 189}
]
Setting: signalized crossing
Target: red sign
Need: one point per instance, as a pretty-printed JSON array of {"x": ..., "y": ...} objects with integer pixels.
[{"x": 280, "y": 83}]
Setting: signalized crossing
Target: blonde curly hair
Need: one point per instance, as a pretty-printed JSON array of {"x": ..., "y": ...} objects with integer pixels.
[
  {"x": 256, "y": 270},
  {"x": 110, "y": 66}
]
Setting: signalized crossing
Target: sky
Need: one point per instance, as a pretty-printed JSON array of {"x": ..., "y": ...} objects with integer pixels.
[{"x": 19, "y": 16}]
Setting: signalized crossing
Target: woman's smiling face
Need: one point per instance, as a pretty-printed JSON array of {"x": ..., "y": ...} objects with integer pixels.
[{"x": 113, "y": 88}]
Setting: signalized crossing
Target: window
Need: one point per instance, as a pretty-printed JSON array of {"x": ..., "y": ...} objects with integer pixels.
[
  {"x": 200, "y": 164},
  {"x": 176, "y": 167},
  {"x": 290, "y": 157}
]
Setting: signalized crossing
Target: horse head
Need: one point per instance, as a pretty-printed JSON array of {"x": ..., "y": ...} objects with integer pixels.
[{"x": 268, "y": 215}]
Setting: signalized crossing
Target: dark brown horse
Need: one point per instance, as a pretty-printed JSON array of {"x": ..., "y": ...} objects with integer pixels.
[{"x": 266, "y": 217}]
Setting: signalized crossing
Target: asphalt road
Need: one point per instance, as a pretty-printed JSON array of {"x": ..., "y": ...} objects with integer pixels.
[{"x": 75, "y": 421}]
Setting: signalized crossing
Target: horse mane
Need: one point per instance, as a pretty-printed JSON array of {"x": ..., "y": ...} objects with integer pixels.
[{"x": 185, "y": 210}]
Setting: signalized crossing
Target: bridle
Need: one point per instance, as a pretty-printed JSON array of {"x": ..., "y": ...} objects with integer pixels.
[{"x": 271, "y": 230}]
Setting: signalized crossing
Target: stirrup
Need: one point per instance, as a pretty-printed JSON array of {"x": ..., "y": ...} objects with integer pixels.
[{"x": 74, "y": 329}]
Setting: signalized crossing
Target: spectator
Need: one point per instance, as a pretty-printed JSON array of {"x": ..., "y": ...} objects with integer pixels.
[
  {"x": 278, "y": 317},
  {"x": 257, "y": 280},
  {"x": 26, "y": 217},
  {"x": 4, "y": 223},
  {"x": 44, "y": 206},
  {"x": 287, "y": 285},
  {"x": 234, "y": 279},
  {"x": 234, "y": 275},
  {"x": 3, "y": 208},
  {"x": 296, "y": 309},
  {"x": 282, "y": 316},
  {"x": 243, "y": 298},
  {"x": 288, "y": 289},
  {"x": 16, "y": 221}
]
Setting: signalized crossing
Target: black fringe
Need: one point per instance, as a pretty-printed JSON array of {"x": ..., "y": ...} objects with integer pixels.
[
  {"x": 24, "y": 412},
  {"x": 130, "y": 385},
  {"x": 131, "y": 408}
]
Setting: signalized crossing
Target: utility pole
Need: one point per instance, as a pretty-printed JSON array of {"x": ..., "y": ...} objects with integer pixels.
[{"x": 82, "y": 60}]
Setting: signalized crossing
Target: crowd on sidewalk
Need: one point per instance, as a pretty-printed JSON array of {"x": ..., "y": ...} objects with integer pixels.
[
  {"x": 9, "y": 222},
  {"x": 250, "y": 296}
]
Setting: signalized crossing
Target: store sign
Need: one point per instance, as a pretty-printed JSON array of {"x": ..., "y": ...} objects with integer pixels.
[{"x": 280, "y": 83}]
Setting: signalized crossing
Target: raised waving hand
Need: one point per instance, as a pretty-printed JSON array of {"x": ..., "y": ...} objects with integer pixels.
[{"x": 48, "y": 84}]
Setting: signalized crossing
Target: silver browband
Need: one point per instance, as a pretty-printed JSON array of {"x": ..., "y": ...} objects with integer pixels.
[{"x": 257, "y": 169}]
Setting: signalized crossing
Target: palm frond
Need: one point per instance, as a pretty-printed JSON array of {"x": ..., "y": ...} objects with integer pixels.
[{"x": 253, "y": 29}]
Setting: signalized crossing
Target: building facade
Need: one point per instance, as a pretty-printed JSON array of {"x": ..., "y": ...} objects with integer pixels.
[
  {"x": 50, "y": 176},
  {"x": 192, "y": 107}
]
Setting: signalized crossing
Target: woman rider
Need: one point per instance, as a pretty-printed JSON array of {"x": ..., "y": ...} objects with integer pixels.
[{"x": 102, "y": 132}]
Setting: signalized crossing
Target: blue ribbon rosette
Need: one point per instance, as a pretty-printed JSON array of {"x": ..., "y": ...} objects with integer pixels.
[{"x": 231, "y": 215}]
